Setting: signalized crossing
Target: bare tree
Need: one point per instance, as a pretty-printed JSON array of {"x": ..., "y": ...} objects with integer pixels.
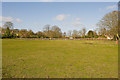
[
  {"x": 64, "y": 34},
  {"x": 69, "y": 33},
  {"x": 57, "y": 31},
  {"x": 109, "y": 24},
  {"x": 46, "y": 30},
  {"x": 8, "y": 25},
  {"x": 75, "y": 33},
  {"x": 80, "y": 32},
  {"x": 84, "y": 32}
]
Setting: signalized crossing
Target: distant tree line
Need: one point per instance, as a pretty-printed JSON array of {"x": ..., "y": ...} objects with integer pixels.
[
  {"x": 48, "y": 32},
  {"x": 108, "y": 26},
  {"x": 83, "y": 33}
]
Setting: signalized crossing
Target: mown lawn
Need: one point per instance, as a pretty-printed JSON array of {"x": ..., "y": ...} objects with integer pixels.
[{"x": 59, "y": 58}]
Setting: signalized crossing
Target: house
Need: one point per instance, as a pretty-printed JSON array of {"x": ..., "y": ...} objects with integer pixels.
[
  {"x": 109, "y": 37},
  {"x": 71, "y": 38}
]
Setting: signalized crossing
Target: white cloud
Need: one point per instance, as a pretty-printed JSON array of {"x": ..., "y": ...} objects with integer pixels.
[
  {"x": 5, "y": 19},
  {"x": 9, "y": 19},
  {"x": 18, "y": 20},
  {"x": 93, "y": 27},
  {"x": 61, "y": 17},
  {"x": 77, "y": 23},
  {"x": 111, "y": 7},
  {"x": 77, "y": 19}
]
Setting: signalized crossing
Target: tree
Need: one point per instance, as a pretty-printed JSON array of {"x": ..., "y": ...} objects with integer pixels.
[
  {"x": 69, "y": 33},
  {"x": 80, "y": 32},
  {"x": 15, "y": 32},
  {"x": 84, "y": 32},
  {"x": 110, "y": 23},
  {"x": 90, "y": 34},
  {"x": 40, "y": 34},
  {"x": 75, "y": 33},
  {"x": 30, "y": 34},
  {"x": 56, "y": 29},
  {"x": 57, "y": 32},
  {"x": 53, "y": 32},
  {"x": 103, "y": 31},
  {"x": 23, "y": 33},
  {"x": 46, "y": 30},
  {"x": 7, "y": 32},
  {"x": 8, "y": 24},
  {"x": 95, "y": 34},
  {"x": 64, "y": 34}
]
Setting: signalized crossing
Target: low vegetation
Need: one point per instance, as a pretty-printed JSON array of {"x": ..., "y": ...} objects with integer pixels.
[{"x": 59, "y": 58}]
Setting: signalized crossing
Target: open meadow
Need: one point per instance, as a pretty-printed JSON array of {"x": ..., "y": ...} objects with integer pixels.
[{"x": 59, "y": 58}]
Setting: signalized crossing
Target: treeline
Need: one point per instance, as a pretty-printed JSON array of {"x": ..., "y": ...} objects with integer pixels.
[
  {"x": 8, "y": 32},
  {"x": 107, "y": 27},
  {"x": 48, "y": 32}
]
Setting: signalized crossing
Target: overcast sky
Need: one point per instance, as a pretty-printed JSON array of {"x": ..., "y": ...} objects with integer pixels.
[{"x": 66, "y": 15}]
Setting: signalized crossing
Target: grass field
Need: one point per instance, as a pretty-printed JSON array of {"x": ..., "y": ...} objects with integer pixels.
[{"x": 59, "y": 58}]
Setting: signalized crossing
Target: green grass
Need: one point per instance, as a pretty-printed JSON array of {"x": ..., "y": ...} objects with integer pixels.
[{"x": 59, "y": 58}]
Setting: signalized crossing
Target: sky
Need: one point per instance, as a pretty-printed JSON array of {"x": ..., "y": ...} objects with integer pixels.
[
  {"x": 66, "y": 15},
  {"x": 60, "y": 0}
]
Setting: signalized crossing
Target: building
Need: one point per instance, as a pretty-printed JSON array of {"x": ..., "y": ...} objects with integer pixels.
[{"x": 109, "y": 37}]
